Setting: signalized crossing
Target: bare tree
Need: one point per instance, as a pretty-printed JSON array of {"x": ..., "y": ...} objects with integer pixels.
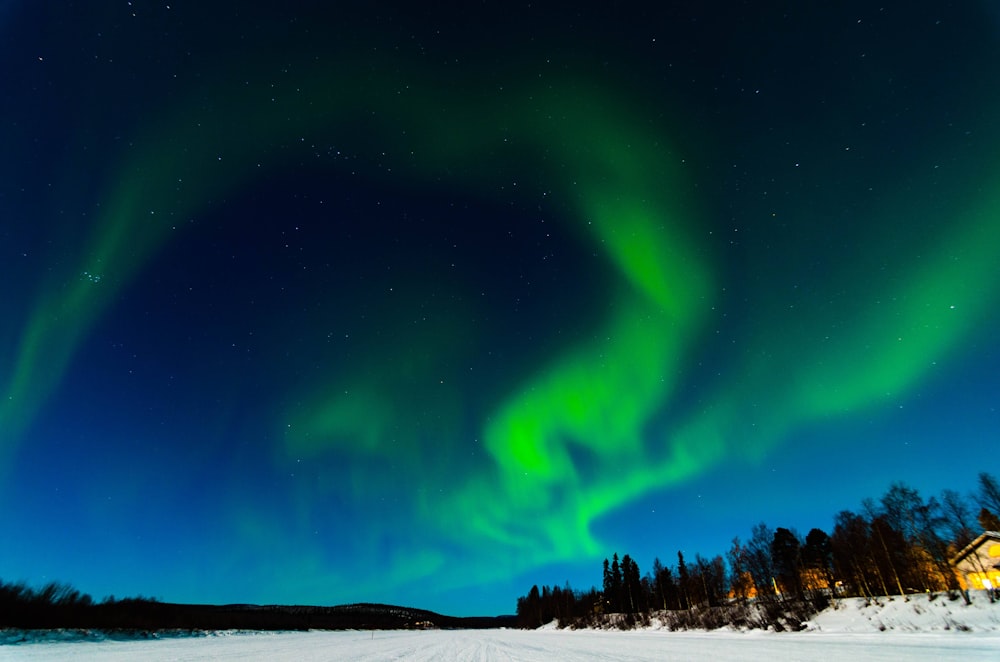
[
  {"x": 988, "y": 521},
  {"x": 989, "y": 493},
  {"x": 739, "y": 578},
  {"x": 958, "y": 518},
  {"x": 759, "y": 562},
  {"x": 786, "y": 557}
]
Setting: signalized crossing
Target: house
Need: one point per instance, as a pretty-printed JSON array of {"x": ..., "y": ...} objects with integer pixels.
[{"x": 978, "y": 564}]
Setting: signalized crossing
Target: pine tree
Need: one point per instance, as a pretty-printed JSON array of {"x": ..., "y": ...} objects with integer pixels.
[
  {"x": 529, "y": 609},
  {"x": 659, "y": 590},
  {"x": 609, "y": 586},
  {"x": 616, "y": 584},
  {"x": 632, "y": 585},
  {"x": 683, "y": 581}
]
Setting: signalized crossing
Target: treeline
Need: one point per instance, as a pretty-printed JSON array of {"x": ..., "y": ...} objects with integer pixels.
[
  {"x": 59, "y": 606},
  {"x": 897, "y": 545}
]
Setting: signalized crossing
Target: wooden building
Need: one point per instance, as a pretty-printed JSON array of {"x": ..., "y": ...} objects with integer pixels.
[{"x": 978, "y": 564}]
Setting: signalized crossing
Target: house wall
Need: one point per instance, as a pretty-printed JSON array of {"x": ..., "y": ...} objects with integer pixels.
[{"x": 981, "y": 565}]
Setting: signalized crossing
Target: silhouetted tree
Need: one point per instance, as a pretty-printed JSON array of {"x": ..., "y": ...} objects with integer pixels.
[
  {"x": 739, "y": 574},
  {"x": 529, "y": 609},
  {"x": 817, "y": 557},
  {"x": 891, "y": 555},
  {"x": 898, "y": 509},
  {"x": 568, "y": 607},
  {"x": 632, "y": 585},
  {"x": 787, "y": 561},
  {"x": 759, "y": 563},
  {"x": 711, "y": 579},
  {"x": 958, "y": 518},
  {"x": 683, "y": 581},
  {"x": 613, "y": 589},
  {"x": 988, "y": 520},
  {"x": 989, "y": 493},
  {"x": 666, "y": 587},
  {"x": 932, "y": 527},
  {"x": 851, "y": 547},
  {"x": 648, "y": 596},
  {"x": 659, "y": 594},
  {"x": 608, "y": 584},
  {"x": 696, "y": 593},
  {"x": 918, "y": 552},
  {"x": 900, "y": 544}
]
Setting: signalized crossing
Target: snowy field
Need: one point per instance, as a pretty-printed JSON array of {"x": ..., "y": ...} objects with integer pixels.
[
  {"x": 914, "y": 629},
  {"x": 539, "y": 645}
]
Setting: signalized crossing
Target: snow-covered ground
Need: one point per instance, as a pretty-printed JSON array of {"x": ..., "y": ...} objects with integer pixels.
[
  {"x": 539, "y": 645},
  {"x": 918, "y": 613},
  {"x": 917, "y": 629}
]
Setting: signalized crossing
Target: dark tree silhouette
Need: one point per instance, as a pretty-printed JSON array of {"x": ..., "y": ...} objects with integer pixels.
[
  {"x": 989, "y": 493},
  {"x": 683, "y": 581},
  {"x": 659, "y": 590},
  {"x": 759, "y": 562},
  {"x": 988, "y": 521},
  {"x": 787, "y": 561},
  {"x": 958, "y": 518},
  {"x": 900, "y": 544},
  {"x": 632, "y": 600},
  {"x": 739, "y": 574},
  {"x": 854, "y": 561},
  {"x": 613, "y": 588},
  {"x": 711, "y": 579},
  {"x": 529, "y": 609},
  {"x": 817, "y": 559}
]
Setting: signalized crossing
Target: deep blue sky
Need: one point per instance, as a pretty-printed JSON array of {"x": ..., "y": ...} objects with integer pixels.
[{"x": 425, "y": 305}]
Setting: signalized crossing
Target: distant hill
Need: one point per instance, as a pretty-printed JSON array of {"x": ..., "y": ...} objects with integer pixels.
[{"x": 59, "y": 606}]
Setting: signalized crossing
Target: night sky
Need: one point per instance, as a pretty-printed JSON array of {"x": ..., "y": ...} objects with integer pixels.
[{"x": 424, "y": 304}]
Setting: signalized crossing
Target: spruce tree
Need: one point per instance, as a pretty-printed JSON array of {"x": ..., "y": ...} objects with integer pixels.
[
  {"x": 683, "y": 580},
  {"x": 616, "y": 584}
]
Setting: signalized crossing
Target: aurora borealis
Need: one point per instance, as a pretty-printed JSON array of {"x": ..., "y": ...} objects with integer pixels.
[{"x": 325, "y": 305}]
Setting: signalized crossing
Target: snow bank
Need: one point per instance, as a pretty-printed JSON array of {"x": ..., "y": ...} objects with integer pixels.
[
  {"x": 917, "y": 613},
  {"x": 914, "y": 613}
]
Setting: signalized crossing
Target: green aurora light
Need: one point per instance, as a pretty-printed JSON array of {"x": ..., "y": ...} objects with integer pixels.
[{"x": 572, "y": 442}]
